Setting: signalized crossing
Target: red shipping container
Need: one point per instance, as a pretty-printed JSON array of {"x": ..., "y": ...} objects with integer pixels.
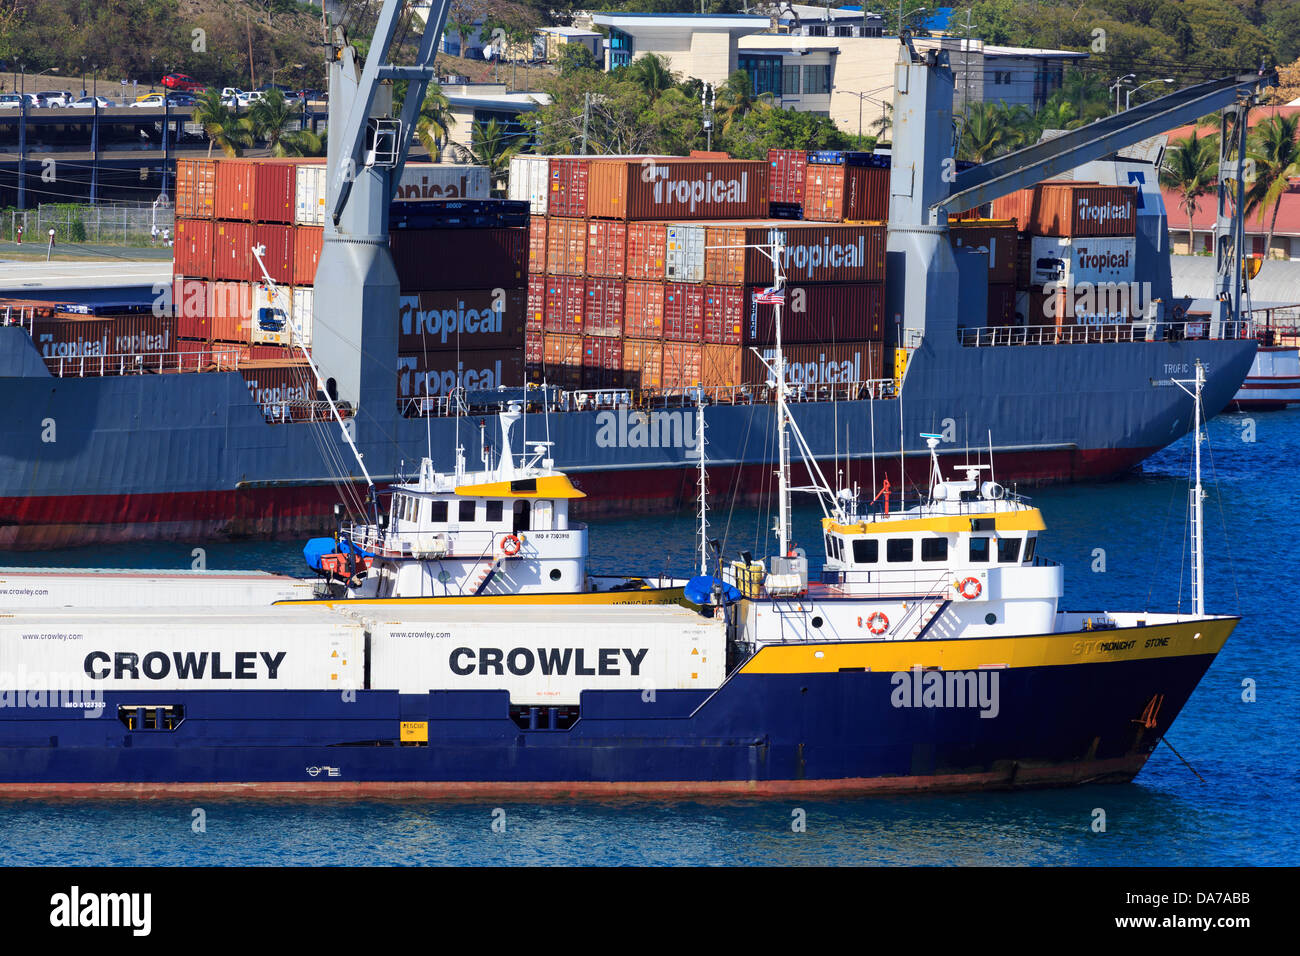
[
  {"x": 196, "y": 187},
  {"x": 192, "y": 248},
  {"x": 647, "y": 243},
  {"x": 429, "y": 259},
  {"x": 536, "y": 303},
  {"x": 142, "y": 334},
  {"x": 606, "y": 248},
  {"x": 428, "y": 374},
  {"x": 603, "y": 314},
  {"x": 1074, "y": 209},
  {"x": 566, "y": 247},
  {"x": 272, "y": 353},
  {"x": 999, "y": 238},
  {"x": 307, "y": 242},
  {"x": 724, "y": 313},
  {"x": 537, "y": 244},
  {"x": 786, "y": 177},
  {"x": 71, "y": 338},
  {"x": 232, "y": 250},
  {"x": 236, "y": 182},
  {"x": 840, "y": 193},
  {"x": 683, "y": 367},
  {"x": 814, "y": 365},
  {"x": 683, "y": 312},
  {"x": 465, "y": 320},
  {"x": 633, "y": 189},
  {"x": 818, "y": 314},
  {"x": 814, "y": 252},
  {"x": 230, "y": 309},
  {"x": 643, "y": 310},
  {"x": 565, "y": 301},
  {"x": 568, "y": 187},
  {"x": 1002, "y": 305},
  {"x": 278, "y": 257},
  {"x": 643, "y": 362},
  {"x": 533, "y": 349},
  {"x": 602, "y": 362},
  {"x": 275, "y": 190}
]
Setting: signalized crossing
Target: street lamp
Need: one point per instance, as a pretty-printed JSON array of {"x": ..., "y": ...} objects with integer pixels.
[
  {"x": 910, "y": 14},
  {"x": 1128, "y": 78},
  {"x": 94, "y": 67},
  {"x": 1128, "y": 94},
  {"x": 83, "y": 74}
]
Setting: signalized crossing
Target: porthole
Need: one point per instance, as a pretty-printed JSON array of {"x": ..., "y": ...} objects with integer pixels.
[
  {"x": 990, "y": 618},
  {"x": 817, "y": 622},
  {"x": 555, "y": 574}
]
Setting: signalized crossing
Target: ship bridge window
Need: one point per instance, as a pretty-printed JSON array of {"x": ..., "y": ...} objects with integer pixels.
[
  {"x": 438, "y": 512},
  {"x": 979, "y": 550},
  {"x": 493, "y": 512},
  {"x": 898, "y": 550},
  {"x": 1029, "y": 547},
  {"x": 1008, "y": 550},
  {"x": 866, "y": 551},
  {"x": 934, "y": 549},
  {"x": 467, "y": 510}
]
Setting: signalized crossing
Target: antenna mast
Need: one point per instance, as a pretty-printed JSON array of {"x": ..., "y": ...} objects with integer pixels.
[
  {"x": 782, "y": 443},
  {"x": 1197, "y": 495},
  {"x": 704, "y": 479}
]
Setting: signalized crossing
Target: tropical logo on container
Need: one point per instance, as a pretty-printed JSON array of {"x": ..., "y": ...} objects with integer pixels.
[
  {"x": 691, "y": 193},
  {"x": 432, "y": 382},
  {"x": 1103, "y": 213},
  {"x": 821, "y": 370},
  {"x": 462, "y": 320},
  {"x": 810, "y": 258},
  {"x": 423, "y": 187}
]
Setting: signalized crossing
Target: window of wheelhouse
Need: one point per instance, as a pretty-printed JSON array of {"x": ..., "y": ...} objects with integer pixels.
[
  {"x": 898, "y": 550},
  {"x": 467, "y": 509},
  {"x": 1029, "y": 547},
  {"x": 866, "y": 551},
  {"x": 979, "y": 550},
  {"x": 438, "y": 512},
  {"x": 1008, "y": 550},
  {"x": 934, "y": 549},
  {"x": 493, "y": 512}
]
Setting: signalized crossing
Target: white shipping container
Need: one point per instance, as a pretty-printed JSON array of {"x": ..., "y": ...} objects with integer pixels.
[
  {"x": 530, "y": 182},
  {"x": 684, "y": 254},
  {"x": 271, "y": 315},
  {"x": 304, "y": 300},
  {"x": 289, "y": 648},
  {"x": 1077, "y": 259},
  {"x": 94, "y": 588},
  {"x": 442, "y": 181},
  {"x": 309, "y": 195},
  {"x": 544, "y": 654}
]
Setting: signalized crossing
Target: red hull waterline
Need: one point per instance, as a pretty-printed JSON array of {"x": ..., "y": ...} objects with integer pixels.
[
  {"x": 46, "y": 522},
  {"x": 1015, "y": 775}
]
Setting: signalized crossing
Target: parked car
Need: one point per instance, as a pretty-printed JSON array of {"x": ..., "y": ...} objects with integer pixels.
[
  {"x": 49, "y": 98},
  {"x": 149, "y": 100},
  {"x": 251, "y": 97},
  {"x": 88, "y": 103},
  {"x": 182, "y": 83},
  {"x": 229, "y": 93},
  {"x": 183, "y": 100},
  {"x": 10, "y": 101}
]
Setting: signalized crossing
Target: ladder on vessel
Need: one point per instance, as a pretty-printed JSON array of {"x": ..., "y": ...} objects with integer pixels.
[
  {"x": 487, "y": 573},
  {"x": 924, "y": 612}
]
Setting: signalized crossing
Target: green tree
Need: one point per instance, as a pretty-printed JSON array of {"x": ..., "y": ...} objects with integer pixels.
[
  {"x": 736, "y": 99},
  {"x": 1190, "y": 168},
  {"x": 651, "y": 72},
  {"x": 300, "y": 142},
  {"x": 269, "y": 116},
  {"x": 1273, "y": 149},
  {"x": 433, "y": 126},
  {"x": 991, "y": 129},
  {"x": 492, "y": 146},
  {"x": 754, "y": 133},
  {"x": 576, "y": 58},
  {"x": 223, "y": 126}
]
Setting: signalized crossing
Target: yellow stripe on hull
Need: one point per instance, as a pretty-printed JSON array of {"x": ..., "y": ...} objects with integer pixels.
[
  {"x": 648, "y": 596},
  {"x": 1183, "y": 639}
]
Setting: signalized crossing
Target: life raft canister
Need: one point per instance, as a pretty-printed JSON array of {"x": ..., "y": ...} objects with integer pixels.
[{"x": 970, "y": 588}]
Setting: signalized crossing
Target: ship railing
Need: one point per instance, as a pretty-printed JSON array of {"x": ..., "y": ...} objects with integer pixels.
[
  {"x": 143, "y": 363},
  {"x": 1277, "y": 325},
  {"x": 387, "y": 543},
  {"x": 280, "y": 413},
  {"x": 1081, "y": 334},
  {"x": 873, "y": 509}
]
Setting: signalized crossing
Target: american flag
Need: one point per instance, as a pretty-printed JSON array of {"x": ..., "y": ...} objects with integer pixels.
[{"x": 771, "y": 296}]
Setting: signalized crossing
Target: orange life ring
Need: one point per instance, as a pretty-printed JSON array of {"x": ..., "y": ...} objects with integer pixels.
[
  {"x": 965, "y": 586},
  {"x": 511, "y": 544},
  {"x": 878, "y": 623}
]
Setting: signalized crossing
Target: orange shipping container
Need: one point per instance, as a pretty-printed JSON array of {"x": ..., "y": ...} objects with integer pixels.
[
  {"x": 533, "y": 349},
  {"x": 537, "y": 244},
  {"x": 646, "y": 245},
  {"x": 682, "y": 366},
  {"x": 677, "y": 189},
  {"x": 643, "y": 310},
  {"x": 566, "y": 247},
  {"x": 814, "y": 252},
  {"x": 196, "y": 186},
  {"x": 721, "y": 366},
  {"x": 236, "y": 181},
  {"x": 193, "y": 248},
  {"x": 562, "y": 359},
  {"x": 840, "y": 193},
  {"x": 606, "y": 248},
  {"x": 307, "y": 242},
  {"x": 230, "y": 309},
  {"x": 568, "y": 182},
  {"x": 1071, "y": 209},
  {"x": 643, "y": 364}
]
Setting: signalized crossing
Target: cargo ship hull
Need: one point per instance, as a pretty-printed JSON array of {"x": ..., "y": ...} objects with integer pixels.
[
  {"x": 773, "y": 727},
  {"x": 187, "y": 456}
]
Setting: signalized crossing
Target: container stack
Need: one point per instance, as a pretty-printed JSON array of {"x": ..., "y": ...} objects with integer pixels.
[
  {"x": 108, "y": 339},
  {"x": 845, "y": 186},
  {"x": 636, "y": 279},
  {"x": 1076, "y": 265},
  {"x": 1000, "y": 242}
]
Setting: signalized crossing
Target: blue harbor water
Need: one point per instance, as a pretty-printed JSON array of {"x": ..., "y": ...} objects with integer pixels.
[{"x": 1243, "y": 813}]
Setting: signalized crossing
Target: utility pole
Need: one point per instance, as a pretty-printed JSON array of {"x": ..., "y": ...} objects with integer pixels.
[
  {"x": 586, "y": 116},
  {"x": 706, "y": 104}
]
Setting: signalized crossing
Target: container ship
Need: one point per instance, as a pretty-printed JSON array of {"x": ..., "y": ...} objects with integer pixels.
[{"x": 620, "y": 284}]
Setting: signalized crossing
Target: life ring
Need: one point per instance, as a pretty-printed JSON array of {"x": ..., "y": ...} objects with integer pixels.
[
  {"x": 511, "y": 544},
  {"x": 878, "y": 623},
  {"x": 970, "y": 588}
]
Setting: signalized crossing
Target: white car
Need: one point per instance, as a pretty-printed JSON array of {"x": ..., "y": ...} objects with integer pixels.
[
  {"x": 88, "y": 103},
  {"x": 153, "y": 101},
  {"x": 10, "y": 101},
  {"x": 54, "y": 98}
]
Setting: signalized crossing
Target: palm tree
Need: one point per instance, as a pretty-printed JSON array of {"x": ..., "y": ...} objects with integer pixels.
[
  {"x": 269, "y": 116},
  {"x": 1087, "y": 93},
  {"x": 1276, "y": 155},
  {"x": 990, "y": 129},
  {"x": 223, "y": 126},
  {"x": 652, "y": 73},
  {"x": 1190, "y": 168},
  {"x": 736, "y": 98},
  {"x": 300, "y": 142},
  {"x": 493, "y": 147},
  {"x": 433, "y": 126}
]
